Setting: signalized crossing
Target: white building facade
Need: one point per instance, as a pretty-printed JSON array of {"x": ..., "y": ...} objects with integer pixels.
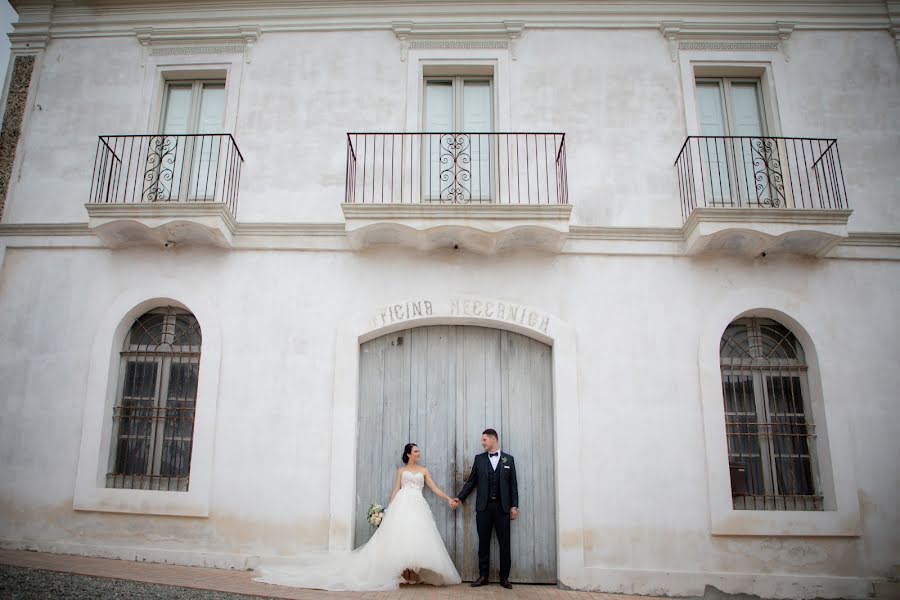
[{"x": 655, "y": 245}]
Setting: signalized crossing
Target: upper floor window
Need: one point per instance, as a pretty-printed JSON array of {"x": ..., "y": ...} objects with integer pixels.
[
  {"x": 153, "y": 419},
  {"x": 768, "y": 419}
]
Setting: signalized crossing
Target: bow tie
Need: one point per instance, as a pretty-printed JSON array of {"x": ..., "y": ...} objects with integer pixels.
[{"x": 493, "y": 454}]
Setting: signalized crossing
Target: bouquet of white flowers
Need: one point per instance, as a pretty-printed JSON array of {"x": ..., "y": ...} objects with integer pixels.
[{"x": 375, "y": 515}]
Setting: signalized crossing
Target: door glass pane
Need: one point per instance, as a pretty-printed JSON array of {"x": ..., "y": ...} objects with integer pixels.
[
  {"x": 205, "y": 148},
  {"x": 754, "y": 154},
  {"x": 165, "y": 153},
  {"x": 747, "y": 117},
  {"x": 178, "y": 109},
  {"x": 476, "y": 172},
  {"x": 438, "y": 147},
  {"x": 713, "y": 157},
  {"x": 709, "y": 107}
]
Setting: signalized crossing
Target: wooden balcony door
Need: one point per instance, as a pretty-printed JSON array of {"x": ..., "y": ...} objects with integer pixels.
[
  {"x": 440, "y": 387},
  {"x": 457, "y": 149},
  {"x": 186, "y": 165},
  {"x": 747, "y": 170}
]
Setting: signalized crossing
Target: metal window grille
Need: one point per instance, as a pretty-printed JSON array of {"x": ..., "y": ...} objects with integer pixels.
[
  {"x": 153, "y": 419},
  {"x": 768, "y": 424}
]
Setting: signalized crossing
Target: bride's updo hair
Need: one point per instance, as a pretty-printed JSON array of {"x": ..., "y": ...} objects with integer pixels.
[{"x": 406, "y": 451}]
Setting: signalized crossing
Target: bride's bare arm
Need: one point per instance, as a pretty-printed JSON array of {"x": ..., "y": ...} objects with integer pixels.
[
  {"x": 434, "y": 488},
  {"x": 396, "y": 485}
]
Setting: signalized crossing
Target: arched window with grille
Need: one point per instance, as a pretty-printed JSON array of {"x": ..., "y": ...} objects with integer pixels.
[
  {"x": 768, "y": 419},
  {"x": 153, "y": 418}
]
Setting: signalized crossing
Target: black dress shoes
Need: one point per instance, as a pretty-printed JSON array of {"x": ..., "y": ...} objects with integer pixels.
[
  {"x": 479, "y": 582},
  {"x": 505, "y": 583}
]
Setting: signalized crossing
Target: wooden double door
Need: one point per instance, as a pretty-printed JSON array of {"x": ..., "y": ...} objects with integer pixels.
[{"x": 440, "y": 387}]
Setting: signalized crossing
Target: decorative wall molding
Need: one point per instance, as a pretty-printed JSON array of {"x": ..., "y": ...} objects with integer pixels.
[
  {"x": 727, "y": 37},
  {"x": 198, "y": 41},
  {"x": 895, "y": 31},
  {"x": 118, "y": 18},
  {"x": 333, "y": 237},
  {"x": 893, "y": 8},
  {"x": 229, "y": 37},
  {"x": 29, "y": 42},
  {"x": 459, "y": 45},
  {"x": 752, "y": 46},
  {"x": 873, "y": 239},
  {"x": 457, "y": 36},
  {"x": 13, "y": 115},
  {"x": 197, "y": 50}
]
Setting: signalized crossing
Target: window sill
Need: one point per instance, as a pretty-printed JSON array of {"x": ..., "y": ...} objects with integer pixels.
[
  {"x": 146, "y": 502},
  {"x": 832, "y": 523}
]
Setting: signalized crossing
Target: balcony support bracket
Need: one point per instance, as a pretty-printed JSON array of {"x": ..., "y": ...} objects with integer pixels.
[
  {"x": 484, "y": 229},
  {"x": 162, "y": 224},
  {"x": 755, "y": 231}
]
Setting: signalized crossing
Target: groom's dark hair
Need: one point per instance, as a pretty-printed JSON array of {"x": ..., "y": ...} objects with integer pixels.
[{"x": 491, "y": 432}]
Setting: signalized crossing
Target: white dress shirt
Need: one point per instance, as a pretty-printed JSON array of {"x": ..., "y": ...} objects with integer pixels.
[{"x": 494, "y": 459}]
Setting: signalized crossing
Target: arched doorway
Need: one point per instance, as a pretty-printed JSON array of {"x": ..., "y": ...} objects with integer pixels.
[{"x": 440, "y": 386}]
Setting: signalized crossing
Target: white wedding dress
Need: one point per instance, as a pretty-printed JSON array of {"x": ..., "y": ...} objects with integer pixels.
[{"x": 407, "y": 539}]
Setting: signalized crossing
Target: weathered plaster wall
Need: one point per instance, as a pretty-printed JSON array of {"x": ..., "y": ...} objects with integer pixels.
[
  {"x": 622, "y": 108},
  {"x": 645, "y": 498}
]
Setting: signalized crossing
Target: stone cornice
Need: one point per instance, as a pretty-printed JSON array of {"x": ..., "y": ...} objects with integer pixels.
[
  {"x": 462, "y": 18},
  {"x": 274, "y": 236},
  {"x": 44, "y": 229},
  {"x": 291, "y": 229},
  {"x": 880, "y": 239},
  {"x": 643, "y": 234},
  {"x": 233, "y": 37},
  {"x": 727, "y": 36}
]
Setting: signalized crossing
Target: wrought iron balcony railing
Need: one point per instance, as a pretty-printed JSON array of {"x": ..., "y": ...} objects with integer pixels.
[
  {"x": 167, "y": 168},
  {"x": 456, "y": 168},
  {"x": 760, "y": 172}
]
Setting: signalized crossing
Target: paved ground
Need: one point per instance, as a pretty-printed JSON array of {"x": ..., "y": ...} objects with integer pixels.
[{"x": 33, "y": 575}]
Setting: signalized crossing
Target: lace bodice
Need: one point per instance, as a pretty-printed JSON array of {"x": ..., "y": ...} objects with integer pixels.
[{"x": 412, "y": 481}]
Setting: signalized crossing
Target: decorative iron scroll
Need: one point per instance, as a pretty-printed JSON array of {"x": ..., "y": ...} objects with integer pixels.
[
  {"x": 456, "y": 161},
  {"x": 767, "y": 173},
  {"x": 161, "y": 159}
]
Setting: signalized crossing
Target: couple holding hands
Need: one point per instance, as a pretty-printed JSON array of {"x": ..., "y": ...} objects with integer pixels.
[{"x": 407, "y": 547}]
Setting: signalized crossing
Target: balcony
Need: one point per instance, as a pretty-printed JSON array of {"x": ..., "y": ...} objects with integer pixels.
[
  {"x": 486, "y": 192},
  {"x": 754, "y": 196},
  {"x": 165, "y": 190}
]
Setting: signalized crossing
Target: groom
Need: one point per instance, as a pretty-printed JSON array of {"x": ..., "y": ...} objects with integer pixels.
[{"x": 496, "y": 504}]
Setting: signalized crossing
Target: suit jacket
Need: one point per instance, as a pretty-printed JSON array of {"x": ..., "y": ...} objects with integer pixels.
[{"x": 480, "y": 477}]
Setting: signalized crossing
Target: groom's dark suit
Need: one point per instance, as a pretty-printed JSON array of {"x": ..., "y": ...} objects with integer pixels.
[{"x": 498, "y": 492}]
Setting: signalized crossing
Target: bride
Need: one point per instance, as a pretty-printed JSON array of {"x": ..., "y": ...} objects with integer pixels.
[{"x": 406, "y": 547}]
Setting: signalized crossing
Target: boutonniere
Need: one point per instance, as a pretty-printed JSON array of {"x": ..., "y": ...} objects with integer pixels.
[{"x": 503, "y": 460}]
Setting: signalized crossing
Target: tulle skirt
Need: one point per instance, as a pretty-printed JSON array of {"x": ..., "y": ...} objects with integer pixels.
[{"x": 407, "y": 539}]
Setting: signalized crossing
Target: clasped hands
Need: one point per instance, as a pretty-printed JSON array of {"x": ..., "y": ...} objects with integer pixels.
[{"x": 455, "y": 502}]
